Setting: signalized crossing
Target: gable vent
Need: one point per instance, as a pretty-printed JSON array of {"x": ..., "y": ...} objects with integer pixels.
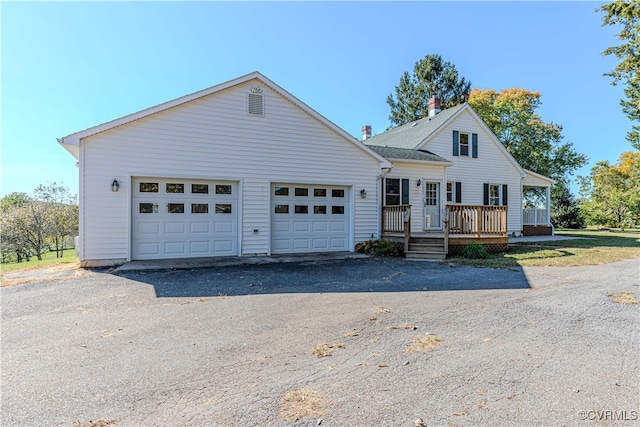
[{"x": 256, "y": 104}]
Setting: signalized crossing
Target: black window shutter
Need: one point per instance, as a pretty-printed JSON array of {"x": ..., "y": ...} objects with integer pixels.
[
  {"x": 458, "y": 192},
  {"x": 405, "y": 191},
  {"x": 485, "y": 195},
  {"x": 455, "y": 142},
  {"x": 474, "y": 145},
  {"x": 504, "y": 195}
]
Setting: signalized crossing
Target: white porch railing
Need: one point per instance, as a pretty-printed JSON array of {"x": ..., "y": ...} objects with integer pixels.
[{"x": 535, "y": 216}]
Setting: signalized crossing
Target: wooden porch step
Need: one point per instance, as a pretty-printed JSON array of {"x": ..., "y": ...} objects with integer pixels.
[{"x": 434, "y": 255}]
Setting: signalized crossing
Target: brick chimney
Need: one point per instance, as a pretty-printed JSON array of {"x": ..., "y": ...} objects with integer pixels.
[
  {"x": 435, "y": 106},
  {"x": 366, "y": 132}
]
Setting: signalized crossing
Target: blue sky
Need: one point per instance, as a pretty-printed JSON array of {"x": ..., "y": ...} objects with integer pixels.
[{"x": 70, "y": 66}]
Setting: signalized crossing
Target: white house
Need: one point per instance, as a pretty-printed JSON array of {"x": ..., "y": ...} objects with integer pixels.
[
  {"x": 245, "y": 168},
  {"x": 480, "y": 171}
]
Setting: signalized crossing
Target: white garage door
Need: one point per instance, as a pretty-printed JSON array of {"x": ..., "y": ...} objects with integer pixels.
[
  {"x": 309, "y": 218},
  {"x": 174, "y": 218}
]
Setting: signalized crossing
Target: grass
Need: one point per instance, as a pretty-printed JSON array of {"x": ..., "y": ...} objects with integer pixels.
[
  {"x": 326, "y": 349},
  {"x": 424, "y": 343},
  {"x": 301, "y": 403},
  {"x": 48, "y": 259},
  {"x": 593, "y": 247},
  {"x": 624, "y": 297}
]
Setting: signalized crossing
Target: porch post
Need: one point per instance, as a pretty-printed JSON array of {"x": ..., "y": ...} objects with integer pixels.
[{"x": 548, "y": 191}]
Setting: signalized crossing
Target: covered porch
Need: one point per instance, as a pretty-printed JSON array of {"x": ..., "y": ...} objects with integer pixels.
[{"x": 536, "y": 218}]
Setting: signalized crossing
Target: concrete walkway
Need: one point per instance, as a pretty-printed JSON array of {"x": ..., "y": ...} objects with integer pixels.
[
  {"x": 189, "y": 263},
  {"x": 528, "y": 239}
]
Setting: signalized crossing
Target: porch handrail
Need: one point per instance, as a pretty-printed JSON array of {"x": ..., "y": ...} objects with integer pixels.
[
  {"x": 393, "y": 218},
  {"x": 477, "y": 219},
  {"x": 534, "y": 216}
]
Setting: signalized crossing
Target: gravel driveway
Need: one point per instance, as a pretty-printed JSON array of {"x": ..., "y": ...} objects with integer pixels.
[{"x": 232, "y": 346}]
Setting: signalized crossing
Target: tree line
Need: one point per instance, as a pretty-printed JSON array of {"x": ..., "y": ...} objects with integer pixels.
[
  {"x": 35, "y": 225},
  {"x": 610, "y": 194}
]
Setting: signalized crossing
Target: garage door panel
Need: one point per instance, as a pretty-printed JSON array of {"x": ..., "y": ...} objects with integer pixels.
[
  {"x": 200, "y": 247},
  {"x": 187, "y": 218},
  {"x": 174, "y": 227},
  {"x": 320, "y": 226},
  {"x": 200, "y": 227},
  {"x": 338, "y": 226},
  {"x": 149, "y": 228},
  {"x": 309, "y": 218},
  {"x": 301, "y": 226},
  {"x": 223, "y": 227},
  {"x": 282, "y": 226}
]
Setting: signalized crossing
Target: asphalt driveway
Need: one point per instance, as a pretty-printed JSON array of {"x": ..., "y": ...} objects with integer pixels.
[{"x": 227, "y": 346}]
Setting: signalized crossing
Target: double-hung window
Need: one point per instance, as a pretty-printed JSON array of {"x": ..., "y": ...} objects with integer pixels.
[
  {"x": 396, "y": 192},
  {"x": 465, "y": 144}
]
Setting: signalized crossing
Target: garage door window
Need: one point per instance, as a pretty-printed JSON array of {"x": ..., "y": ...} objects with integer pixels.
[
  {"x": 320, "y": 192},
  {"x": 175, "y": 188},
  {"x": 320, "y": 210},
  {"x": 224, "y": 189},
  {"x": 175, "y": 207},
  {"x": 282, "y": 209},
  {"x": 337, "y": 210},
  {"x": 148, "y": 187},
  {"x": 301, "y": 209},
  {"x": 302, "y": 192},
  {"x": 337, "y": 193},
  {"x": 200, "y": 188},
  {"x": 199, "y": 208},
  {"x": 148, "y": 208},
  {"x": 281, "y": 191},
  {"x": 223, "y": 209}
]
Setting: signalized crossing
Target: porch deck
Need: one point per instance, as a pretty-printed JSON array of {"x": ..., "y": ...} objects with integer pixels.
[{"x": 463, "y": 224}]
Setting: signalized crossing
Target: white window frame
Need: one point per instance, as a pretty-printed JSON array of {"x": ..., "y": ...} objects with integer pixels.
[{"x": 468, "y": 145}]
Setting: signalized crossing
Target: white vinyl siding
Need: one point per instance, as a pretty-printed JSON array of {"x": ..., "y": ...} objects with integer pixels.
[
  {"x": 491, "y": 166},
  {"x": 213, "y": 138}
]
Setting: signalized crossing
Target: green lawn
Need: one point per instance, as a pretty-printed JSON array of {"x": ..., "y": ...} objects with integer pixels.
[
  {"x": 592, "y": 248},
  {"x": 48, "y": 259}
]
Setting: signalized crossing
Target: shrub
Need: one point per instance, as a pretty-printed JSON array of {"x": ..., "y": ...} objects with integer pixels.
[
  {"x": 378, "y": 248},
  {"x": 475, "y": 251}
]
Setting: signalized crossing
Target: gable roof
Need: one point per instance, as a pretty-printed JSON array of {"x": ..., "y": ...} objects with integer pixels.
[
  {"x": 422, "y": 156},
  {"x": 411, "y": 135},
  {"x": 72, "y": 142},
  {"x": 416, "y": 135}
]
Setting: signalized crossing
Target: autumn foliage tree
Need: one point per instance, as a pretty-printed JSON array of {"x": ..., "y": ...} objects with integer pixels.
[
  {"x": 538, "y": 146},
  {"x": 611, "y": 193}
]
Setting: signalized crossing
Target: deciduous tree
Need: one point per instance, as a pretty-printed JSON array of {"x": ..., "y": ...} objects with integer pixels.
[
  {"x": 538, "y": 146},
  {"x": 611, "y": 193}
]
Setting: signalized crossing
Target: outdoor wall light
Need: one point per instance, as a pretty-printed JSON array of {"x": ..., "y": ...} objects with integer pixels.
[
  {"x": 418, "y": 182},
  {"x": 363, "y": 193},
  {"x": 115, "y": 185}
]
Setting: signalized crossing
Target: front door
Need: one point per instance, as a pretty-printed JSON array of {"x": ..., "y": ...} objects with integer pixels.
[{"x": 432, "y": 205}]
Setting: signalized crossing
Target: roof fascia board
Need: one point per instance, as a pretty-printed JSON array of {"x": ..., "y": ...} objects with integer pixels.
[
  {"x": 542, "y": 177},
  {"x": 421, "y": 162}
]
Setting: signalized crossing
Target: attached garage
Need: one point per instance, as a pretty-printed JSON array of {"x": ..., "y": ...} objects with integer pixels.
[
  {"x": 177, "y": 218},
  {"x": 309, "y": 218}
]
